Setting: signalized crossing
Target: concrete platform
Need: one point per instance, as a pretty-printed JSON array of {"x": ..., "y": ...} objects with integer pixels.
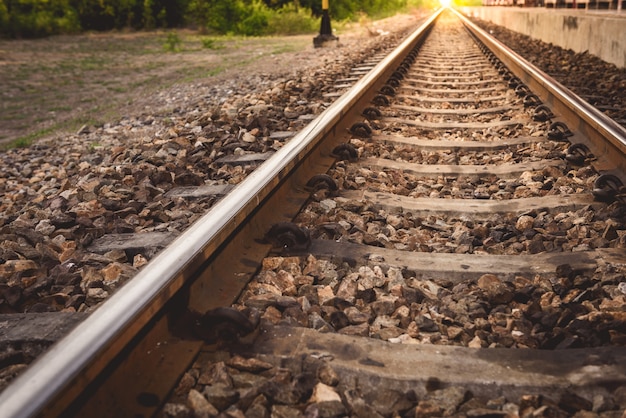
[{"x": 601, "y": 32}]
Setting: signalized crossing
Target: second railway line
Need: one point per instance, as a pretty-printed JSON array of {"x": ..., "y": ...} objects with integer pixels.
[{"x": 455, "y": 215}]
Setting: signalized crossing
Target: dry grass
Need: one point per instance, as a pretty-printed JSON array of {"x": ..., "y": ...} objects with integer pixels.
[{"x": 60, "y": 83}]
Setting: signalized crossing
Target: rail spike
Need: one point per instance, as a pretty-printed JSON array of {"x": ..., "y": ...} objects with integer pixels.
[
  {"x": 402, "y": 69},
  {"x": 381, "y": 100},
  {"x": 371, "y": 113},
  {"x": 288, "y": 236},
  {"x": 607, "y": 187},
  {"x": 542, "y": 113},
  {"x": 397, "y": 75},
  {"x": 522, "y": 90},
  {"x": 345, "y": 152},
  {"x": 532, "y": 99},
  {"x": 559, "y": 131},
  {"x": 578, "y": 154},
  {"x": 323, "y": 182},
  {"x": 361, "y": 130},
  {"x": 514, "y": 82},
  {"x": 393, "y": 82},
  {"x": 388, "y": 90},
  {"x": 223, "y": 325}
]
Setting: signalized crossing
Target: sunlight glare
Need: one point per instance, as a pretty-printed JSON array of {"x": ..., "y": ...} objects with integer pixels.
[{"x": 445, "y": 3}]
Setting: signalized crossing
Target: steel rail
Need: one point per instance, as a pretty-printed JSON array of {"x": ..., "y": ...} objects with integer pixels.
[
  {"x": 51, "y": 383},
  {"x": 608, "y": 138}
]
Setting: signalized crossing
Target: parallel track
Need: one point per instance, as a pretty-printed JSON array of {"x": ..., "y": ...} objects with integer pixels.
[{"x": 431, "y": 119}]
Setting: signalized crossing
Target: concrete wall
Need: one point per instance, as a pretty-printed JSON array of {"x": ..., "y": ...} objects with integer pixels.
[{"x": 602, "y": 34}]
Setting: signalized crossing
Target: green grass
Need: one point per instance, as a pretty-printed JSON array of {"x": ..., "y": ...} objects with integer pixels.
[
  {"x": 26, "y": 140},
  {"x": 283, "y": 49},
  {"x": 211, "y": 43},
  {"x": 118, "y": 89},
  {"x": 215, "y": 71},
  {"x": 94, "y": 146},
  {"x": 60, "y": 108},
  {"x": 172, "y": 42}
]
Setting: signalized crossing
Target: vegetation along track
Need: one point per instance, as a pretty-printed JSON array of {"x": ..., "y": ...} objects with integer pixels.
[{"x": 458, "y": 250}]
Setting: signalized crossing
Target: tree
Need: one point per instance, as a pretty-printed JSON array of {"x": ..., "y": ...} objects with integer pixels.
[
  {"x": 28, "y": 18},
  {"x": 4, "y": 15}
]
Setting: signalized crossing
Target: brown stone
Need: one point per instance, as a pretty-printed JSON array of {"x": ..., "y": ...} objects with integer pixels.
[
  {"x": 248, "y": 364},
  {"x": 495, "y": 289}
]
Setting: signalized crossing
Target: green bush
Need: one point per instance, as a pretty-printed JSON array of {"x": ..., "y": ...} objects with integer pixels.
[
  {"x": 253, "y": 18},
  {"x": 351, "y": 9},
  {"x": 172, "y": 42},
  {"x": 211, "y": 43},
  {"x": 4, "y": 15},
  {"x": 31, "y": 18},
  {"x": 254, "y": 21},
  {"x": 222, "y": 17},
  {"x": 290, "y": 20}
]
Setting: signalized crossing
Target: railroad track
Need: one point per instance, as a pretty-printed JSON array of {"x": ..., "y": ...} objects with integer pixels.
[{"x": 438, "y": 234}]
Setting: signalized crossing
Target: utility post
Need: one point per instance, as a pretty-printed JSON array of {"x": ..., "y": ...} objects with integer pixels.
[{"x": 326, "y": 33}]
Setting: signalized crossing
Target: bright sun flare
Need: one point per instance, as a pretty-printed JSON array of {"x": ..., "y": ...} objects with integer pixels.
[{"x": 445, "y": 3}]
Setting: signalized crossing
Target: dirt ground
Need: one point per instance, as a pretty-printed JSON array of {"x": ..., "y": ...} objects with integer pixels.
[{"x": 58, "y": 84}]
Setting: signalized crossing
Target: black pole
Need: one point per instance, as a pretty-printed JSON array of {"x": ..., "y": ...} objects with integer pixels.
[{"x": 326, "y": 33}]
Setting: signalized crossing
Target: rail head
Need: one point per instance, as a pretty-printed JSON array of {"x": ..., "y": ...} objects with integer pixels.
[{"x": 77, "y": 359}]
